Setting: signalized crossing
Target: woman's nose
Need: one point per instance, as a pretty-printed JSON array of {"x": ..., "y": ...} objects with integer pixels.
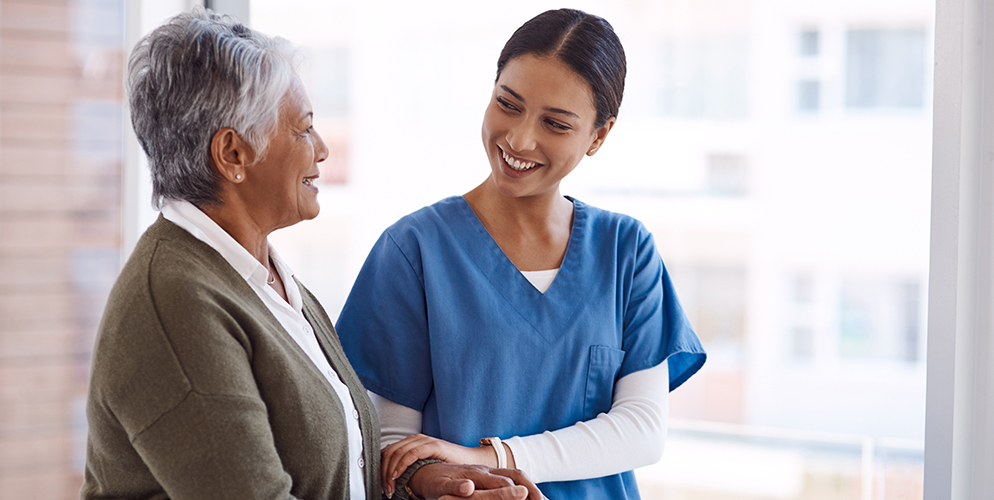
[
  {"x": 522, "y": 136},
  {"x": 320, "y": 149}
]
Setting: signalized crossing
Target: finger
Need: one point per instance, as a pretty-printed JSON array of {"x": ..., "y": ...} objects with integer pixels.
[
  {"x": 405, "y": 461},
  {"x": 391, "y": 454},
  {"x": 509, "y": 493},
  {"x": 460, "y": 488},
  {"x": 386, "y": 474},
  {"x": 520, "y": 479},
  {"x": 397, "y": 459},
  {"x": 415, "y": 450},
  {"x": 400, "y": 460},
  {"x": 488, "y": 480}
]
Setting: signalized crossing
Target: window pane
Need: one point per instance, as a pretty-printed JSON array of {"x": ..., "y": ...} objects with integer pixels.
[
  {"x": 809, "y": 43},
  {"x": 885, "y": 68},
  {"x": 808, "y": 95},
  {"x": 704, "y": 77}
]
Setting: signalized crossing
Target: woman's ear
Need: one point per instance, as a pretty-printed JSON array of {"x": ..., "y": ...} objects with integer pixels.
[
  {"x": 599, "y": 135},
  {"x": 231, "y": 154}
]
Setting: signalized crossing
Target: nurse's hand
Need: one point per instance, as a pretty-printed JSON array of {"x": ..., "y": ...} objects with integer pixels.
[
  {"x": 397, "y": 457},
  {"x": 455, "y": 482}
]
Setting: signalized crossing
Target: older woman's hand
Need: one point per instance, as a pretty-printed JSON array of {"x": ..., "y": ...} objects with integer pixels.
[
  {"x": 452, "y": 482},
  {"x": 397, "y": 457}
]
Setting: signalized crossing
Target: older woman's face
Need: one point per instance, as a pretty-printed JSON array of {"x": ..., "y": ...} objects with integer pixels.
[{"x": 285, "y": 177}]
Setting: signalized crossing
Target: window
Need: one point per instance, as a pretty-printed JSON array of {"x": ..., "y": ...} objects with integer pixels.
[
  {"x": 755, "y": 211},
  {"x": 885, "y": 68},
  {"x": 704, "y": 77},
  {"x": 880, "y": 319},
  {"x": 761, "y": 216},
  {"x": 808, "y": 95},
  {"x": 809, "y": 42},
  {"x": 801, "y": 322},
  {"x": 728, "y": 174}
]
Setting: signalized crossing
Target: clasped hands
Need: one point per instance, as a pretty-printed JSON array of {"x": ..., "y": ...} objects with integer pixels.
[{"x": 450, "y": 481}]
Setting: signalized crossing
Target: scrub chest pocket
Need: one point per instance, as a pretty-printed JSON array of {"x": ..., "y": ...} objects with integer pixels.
[{"x": 605, "y": 362}]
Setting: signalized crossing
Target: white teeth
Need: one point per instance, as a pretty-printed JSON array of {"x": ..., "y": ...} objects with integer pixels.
[
  {"x": 517, "y": 165},
  {"x": 307, "y": 182}
]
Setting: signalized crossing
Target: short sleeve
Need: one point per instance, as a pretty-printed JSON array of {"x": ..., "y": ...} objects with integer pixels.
[
  {"x": 383, "y": 326},
  {"x": 655, "y": 327}
]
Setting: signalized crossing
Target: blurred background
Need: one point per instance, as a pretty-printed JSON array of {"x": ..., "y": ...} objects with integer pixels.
[{"x": 779, "y": 150}]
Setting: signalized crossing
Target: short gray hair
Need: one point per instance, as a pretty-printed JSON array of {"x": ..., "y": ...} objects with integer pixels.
[{"x": 194, "y": 75}]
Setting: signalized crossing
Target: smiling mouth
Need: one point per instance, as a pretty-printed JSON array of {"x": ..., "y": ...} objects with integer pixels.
[
  {"x": 519, "y": 165},
  {"x": 309, "y": 182}
]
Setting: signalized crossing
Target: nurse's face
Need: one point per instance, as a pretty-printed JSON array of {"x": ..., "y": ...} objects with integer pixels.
[{"x": 538, "y": 126}]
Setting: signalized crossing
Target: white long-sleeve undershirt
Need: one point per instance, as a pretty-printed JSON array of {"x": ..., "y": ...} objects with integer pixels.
[{"x": 631, "y": 434}]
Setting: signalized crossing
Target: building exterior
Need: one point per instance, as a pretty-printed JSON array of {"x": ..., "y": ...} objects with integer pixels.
[{"x": 61, "y": 113}]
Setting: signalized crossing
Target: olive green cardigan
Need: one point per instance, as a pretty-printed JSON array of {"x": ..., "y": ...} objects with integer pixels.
[{"x": 196, "y": 390}]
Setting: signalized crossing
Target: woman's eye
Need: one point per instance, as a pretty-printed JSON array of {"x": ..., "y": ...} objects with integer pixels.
[
  {"x": 558, "y": 126},
  {"x": 505, "y": 104}
]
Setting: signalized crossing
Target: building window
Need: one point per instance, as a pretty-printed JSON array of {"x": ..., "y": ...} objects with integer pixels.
[
  {"x": 879, "y": 319},
  {"x": 801, "y": 341},
  {"x": 885, "y": 69},
  {"x": 809, "y": 43},
  {"x": 704, "y": 77},
  {"x": 727, "y": 174},
  {"x": 808, "y": 95}
]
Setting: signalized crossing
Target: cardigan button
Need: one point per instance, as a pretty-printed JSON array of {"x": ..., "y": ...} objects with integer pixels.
[
  {"x": 362, "y": 463},
  {"x": 355, "y": 414}
]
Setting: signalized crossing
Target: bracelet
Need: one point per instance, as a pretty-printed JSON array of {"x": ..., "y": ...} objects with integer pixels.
[
  {"x": 404, "y": 492},
  {"x": 411, "y": 495},
  {"x": 498, "y": 449}
]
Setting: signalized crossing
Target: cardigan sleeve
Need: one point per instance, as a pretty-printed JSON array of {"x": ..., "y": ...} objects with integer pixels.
[{"x": 214, "y": 446}]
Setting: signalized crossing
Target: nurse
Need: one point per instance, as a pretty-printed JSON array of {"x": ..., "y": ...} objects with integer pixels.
[{"x": 516, "y": 327}]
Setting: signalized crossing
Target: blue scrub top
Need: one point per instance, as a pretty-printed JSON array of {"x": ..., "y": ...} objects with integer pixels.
[{"x": 440, "y": 320}]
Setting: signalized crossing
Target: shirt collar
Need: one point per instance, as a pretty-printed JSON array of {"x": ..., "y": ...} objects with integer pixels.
[{"x": 187, "y": 216}]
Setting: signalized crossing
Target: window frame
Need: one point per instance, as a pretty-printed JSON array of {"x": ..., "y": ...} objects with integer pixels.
[{"x": 959, "y": 447}]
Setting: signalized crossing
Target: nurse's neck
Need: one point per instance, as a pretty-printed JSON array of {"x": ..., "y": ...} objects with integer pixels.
[
  {"x": 533, "y": 231},
  {"x": 523, "y": 213}
]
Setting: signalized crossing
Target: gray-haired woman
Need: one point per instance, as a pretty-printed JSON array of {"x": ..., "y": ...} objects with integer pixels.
[{"x": 216, "y": 374}]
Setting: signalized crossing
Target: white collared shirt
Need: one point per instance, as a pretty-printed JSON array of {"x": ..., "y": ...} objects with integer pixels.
[{"x": 291, "y": 315}]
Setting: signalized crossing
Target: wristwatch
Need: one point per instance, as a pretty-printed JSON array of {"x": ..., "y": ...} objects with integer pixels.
[{"x": 498, "y": 448}]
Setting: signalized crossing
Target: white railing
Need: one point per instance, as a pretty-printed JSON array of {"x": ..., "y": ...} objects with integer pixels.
[{"x": 694, "y": 452}]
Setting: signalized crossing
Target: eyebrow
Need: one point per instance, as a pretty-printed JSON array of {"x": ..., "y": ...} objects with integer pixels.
[{"x": 551, "y": 110}]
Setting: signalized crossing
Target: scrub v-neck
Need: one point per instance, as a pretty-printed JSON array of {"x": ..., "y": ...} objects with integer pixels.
[{"x": 546, "y": 312}]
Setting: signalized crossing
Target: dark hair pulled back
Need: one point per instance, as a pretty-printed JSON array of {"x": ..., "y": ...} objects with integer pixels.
[{"x": 584, "y": 42}]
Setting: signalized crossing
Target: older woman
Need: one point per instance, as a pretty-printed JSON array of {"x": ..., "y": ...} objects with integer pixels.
[{"x": 216, "y": 374}]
